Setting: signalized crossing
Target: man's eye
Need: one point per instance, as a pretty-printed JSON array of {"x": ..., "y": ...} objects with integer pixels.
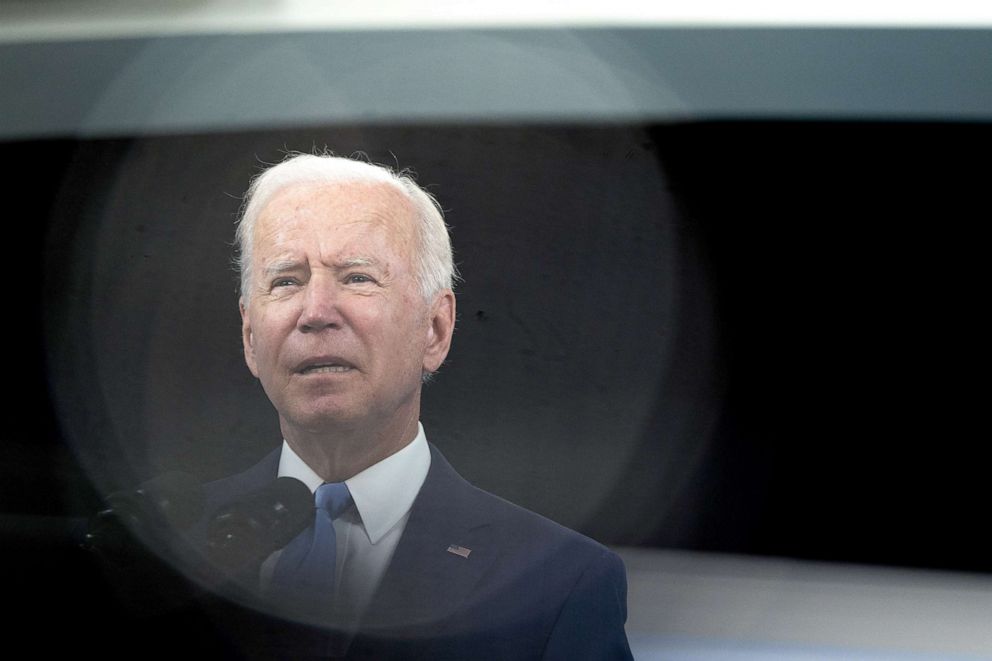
[
  {"x": 358, "y": 279},
  {"x": 283, "y": 282}
]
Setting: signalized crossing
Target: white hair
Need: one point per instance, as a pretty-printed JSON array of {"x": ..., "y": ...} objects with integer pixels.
[{"x": 434, "y": 264}]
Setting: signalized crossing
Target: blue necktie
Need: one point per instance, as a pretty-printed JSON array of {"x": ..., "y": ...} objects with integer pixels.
[{"x": 303, "y": 578}]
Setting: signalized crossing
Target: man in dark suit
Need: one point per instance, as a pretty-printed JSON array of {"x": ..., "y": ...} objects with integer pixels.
[{"x": 347, "y": 307}]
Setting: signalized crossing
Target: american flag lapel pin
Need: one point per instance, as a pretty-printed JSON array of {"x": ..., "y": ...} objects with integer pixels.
[{"x": 459, "y": 550}]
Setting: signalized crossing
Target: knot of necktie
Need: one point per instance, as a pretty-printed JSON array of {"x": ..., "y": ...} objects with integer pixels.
[{"x": 332, "y": 498}]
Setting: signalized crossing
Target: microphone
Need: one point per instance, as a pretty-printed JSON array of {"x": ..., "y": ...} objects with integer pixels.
[
  {"x": 138, "y": 540},
  {"x": 242, "y": 535},
  {"x": 152, "y": 512}
]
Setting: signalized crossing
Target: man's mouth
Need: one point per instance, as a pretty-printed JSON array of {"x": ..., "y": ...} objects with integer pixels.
[
  {"x": 325, "y": 369},
  {"x": 324, "y": 365}
]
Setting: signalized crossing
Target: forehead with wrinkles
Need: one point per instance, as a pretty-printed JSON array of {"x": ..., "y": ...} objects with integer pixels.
[{"x": 333, "y": 217}]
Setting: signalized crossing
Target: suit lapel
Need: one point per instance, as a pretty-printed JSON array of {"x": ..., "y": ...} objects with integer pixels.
[{"x": 445, "y": 549}]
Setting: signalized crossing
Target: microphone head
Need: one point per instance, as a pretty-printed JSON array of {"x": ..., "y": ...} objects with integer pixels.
[
  {"x": 244, "y": 533},
  {"x": 152, "y": 512},
  {"x": 173, "y": 498}
]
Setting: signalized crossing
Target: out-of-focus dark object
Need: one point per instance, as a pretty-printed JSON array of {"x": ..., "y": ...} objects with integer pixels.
[
  {"x": 241, "y": 535},
  {"x": 140, "y": 546},
  {"x": 149, "y": 515}
]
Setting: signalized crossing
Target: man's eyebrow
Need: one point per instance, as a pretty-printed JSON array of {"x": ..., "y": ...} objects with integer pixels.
[
  {"x": 356, "y": 261},
  {"x": 284, "y": 265},
  {"x": 287, "y": 264}
]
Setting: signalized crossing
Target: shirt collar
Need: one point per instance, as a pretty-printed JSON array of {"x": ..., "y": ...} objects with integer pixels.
[{"x": 384, "y": 492}]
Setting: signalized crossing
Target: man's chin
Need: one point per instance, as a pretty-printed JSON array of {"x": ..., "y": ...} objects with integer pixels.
[{"x": 328, "y": 420}]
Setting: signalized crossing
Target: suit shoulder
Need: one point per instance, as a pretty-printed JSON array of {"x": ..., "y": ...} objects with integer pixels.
[
  {"x": 513, "y": 517},
  {"x": 223, "y": 490},
  {"x": 530, "y": 540},
  {"x": 518, "y": 528}
]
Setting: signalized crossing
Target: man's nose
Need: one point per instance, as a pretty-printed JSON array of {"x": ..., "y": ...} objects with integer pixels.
[{"x": 320, "y": 306}]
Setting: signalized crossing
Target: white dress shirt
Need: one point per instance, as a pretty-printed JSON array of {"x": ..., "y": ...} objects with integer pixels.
[{"x": 368, "y": 532}]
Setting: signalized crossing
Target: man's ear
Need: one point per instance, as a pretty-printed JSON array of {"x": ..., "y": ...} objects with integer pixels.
[
  {"x": 440, "y": 328},
  {"x": 247, "y": 338}
]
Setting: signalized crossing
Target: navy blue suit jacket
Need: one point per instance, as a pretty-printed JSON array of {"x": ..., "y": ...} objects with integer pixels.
[{"x": 529, "y": 588}]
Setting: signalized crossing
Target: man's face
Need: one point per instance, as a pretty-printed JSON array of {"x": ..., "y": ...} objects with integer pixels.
[{"x": 336, "y": 327}]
